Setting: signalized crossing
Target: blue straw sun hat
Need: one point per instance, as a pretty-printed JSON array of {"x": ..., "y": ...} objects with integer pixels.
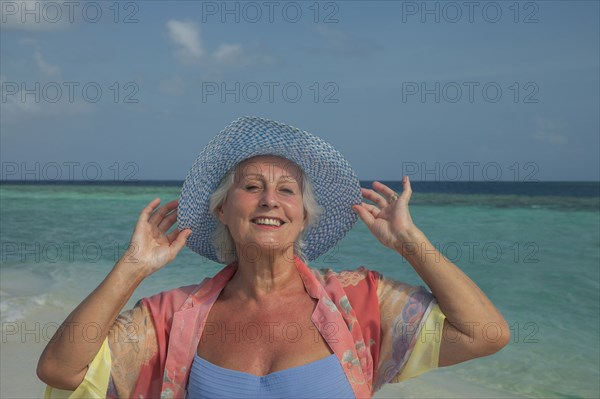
[{"x": 335, "y": 183}]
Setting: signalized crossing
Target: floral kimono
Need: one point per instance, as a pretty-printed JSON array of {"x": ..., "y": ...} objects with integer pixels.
[{"x": 380, "y": 330}]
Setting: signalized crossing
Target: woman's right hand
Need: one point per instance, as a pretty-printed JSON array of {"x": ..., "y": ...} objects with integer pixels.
[
  {"x": 64, "y": 362},
  {"x": 151, "y": 248}
]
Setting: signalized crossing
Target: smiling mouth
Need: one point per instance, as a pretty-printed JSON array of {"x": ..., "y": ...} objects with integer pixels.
[{"x": 268, "y": 222}]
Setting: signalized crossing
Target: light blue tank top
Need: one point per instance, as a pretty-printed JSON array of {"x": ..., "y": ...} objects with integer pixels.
[{"x": 323, "y": 378}]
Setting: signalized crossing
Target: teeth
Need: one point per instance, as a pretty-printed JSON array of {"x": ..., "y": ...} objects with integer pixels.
[{"x": 269, "y": 222}]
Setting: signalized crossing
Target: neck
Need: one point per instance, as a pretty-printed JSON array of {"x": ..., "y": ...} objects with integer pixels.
[{"x": 266, "y": 275}]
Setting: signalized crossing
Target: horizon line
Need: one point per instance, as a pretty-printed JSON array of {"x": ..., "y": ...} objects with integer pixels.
[{"x": 138, "y": 181}]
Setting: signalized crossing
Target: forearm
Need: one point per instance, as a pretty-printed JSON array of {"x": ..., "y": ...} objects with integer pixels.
[
  {"x": 64, "y": 362},
  {"x": 469, "y": 313},
  {"x": 466, "y": 307}
]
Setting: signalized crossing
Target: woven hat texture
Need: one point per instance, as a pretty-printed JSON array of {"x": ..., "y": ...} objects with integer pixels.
[{"x": 335, "y": 183}]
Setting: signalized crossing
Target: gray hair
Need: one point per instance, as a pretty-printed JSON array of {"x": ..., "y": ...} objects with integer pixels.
[{"x": 223, "y": 241}]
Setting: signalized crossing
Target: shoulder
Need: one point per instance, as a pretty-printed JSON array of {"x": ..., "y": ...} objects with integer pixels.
[
  {"x": 357, "y": 285},
  {"x": 364, "y": 282},
  {"x": 349, "y": 278},
  {"x": 174, "y": 297},
  {"x": 163, "y": 305}
]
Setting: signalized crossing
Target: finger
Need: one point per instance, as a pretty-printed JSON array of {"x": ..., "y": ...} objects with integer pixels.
[
  {"x": 145, "y": 214},
  {"x": 406, "y": 190},
  {"x": 387, "y": 192},
  {"x": 168, "y": 221},
  {"x": 180, "y": 239},
  {"x": 364, "y": 214},
  {"x": 159, "y": 214},
  {"x": 374, "y": 196},
  {"x": 173, "y": 235},
  {"x": 372, "y": 209}
]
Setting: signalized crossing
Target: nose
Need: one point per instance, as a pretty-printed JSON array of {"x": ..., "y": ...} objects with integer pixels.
[{"x": 269, "y": 198}]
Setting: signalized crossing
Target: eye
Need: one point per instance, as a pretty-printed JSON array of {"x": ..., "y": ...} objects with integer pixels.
[
  {"x": 251, "y": 187},
  {"x": 287, "y": 190}
]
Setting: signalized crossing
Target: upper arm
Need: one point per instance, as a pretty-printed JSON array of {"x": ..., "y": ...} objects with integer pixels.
[
  {"x": 132, "y": 343},
  {"x": 404, "y": 310},
  {"x": 457, "y": 347}
]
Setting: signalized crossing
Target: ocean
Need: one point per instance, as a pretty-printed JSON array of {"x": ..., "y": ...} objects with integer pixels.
[{"x": 533, "y": 248}]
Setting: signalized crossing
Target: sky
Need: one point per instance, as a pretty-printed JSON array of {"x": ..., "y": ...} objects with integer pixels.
[{"x": 436, "y": 90}]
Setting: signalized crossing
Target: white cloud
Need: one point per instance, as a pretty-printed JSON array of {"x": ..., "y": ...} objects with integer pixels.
[
  {"x": 550, "y": 137},
  {"x": 47, "y": 69},
  {"x": 18, "y": 106},
  {"x": 28, "y": 41},
  {"x": 12, "y": 101},
  {"x": 190, "y": 49},
  {"x": 186, "y": 36},
  {"x": 550, "y": 132},
  {"x": 236, "y": 55},
  {"x": 228, "y": 52}
]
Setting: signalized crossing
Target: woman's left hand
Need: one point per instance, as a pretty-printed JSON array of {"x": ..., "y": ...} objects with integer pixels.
[
  {"x": 389, "y": 219},
  {"x": 463, "y": 303}
]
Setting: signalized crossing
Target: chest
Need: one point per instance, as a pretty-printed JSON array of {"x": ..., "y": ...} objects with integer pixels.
[{"x": 262, "y": 340}]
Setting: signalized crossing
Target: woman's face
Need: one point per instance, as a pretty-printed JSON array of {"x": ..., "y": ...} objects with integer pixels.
[{"x": 263, "y": 209}]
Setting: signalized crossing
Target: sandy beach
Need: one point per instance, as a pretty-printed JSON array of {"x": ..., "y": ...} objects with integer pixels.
[
  {"x": 22, "y": 343},
  {"x": 438, "y": 384}
]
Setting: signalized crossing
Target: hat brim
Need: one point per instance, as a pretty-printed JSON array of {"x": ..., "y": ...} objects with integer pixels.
[{"x": 335, "y": 184}]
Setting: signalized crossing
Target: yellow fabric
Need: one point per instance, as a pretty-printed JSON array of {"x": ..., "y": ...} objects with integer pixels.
[
  {"x": 95, "y": 383},
  {"x": 426, "y": 353}
]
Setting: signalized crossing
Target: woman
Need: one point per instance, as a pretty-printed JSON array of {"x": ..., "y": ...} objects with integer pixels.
[{"x": 265, "y": 198}]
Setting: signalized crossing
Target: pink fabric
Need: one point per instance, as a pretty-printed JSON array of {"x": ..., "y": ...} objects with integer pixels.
[{"x": 348, "y": 315}]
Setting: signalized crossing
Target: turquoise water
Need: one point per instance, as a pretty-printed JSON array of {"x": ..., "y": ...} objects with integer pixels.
[{"x": 536, "y": 257}]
